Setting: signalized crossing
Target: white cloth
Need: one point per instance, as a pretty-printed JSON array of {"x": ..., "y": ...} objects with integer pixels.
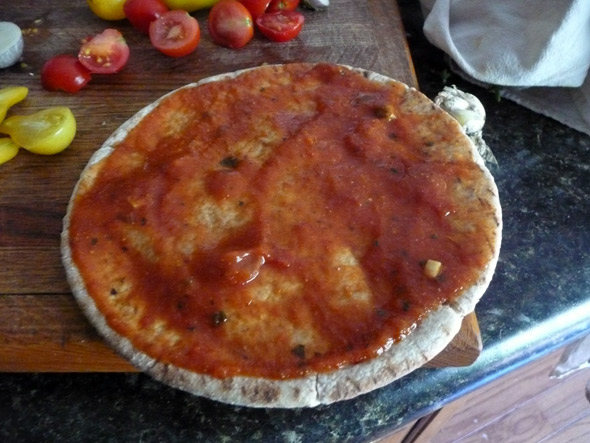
[{"x": 537, "y": 50}]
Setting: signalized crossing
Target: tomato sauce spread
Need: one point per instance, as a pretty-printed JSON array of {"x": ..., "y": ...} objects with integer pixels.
[{"x": 280, "y": 223}]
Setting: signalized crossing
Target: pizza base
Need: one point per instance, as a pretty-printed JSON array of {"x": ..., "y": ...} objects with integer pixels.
[{"x": 429, "y": 338}]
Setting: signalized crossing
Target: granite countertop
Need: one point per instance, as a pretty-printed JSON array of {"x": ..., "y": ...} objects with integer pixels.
[{"x": 538, "y": 301}]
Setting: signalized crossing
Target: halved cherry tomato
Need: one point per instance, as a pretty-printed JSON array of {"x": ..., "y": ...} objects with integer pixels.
[
  {"x": 256, "y": 7},
  {"x": 64, "y": 73},
  {"x": 45, "y": 132},
  {"x": 230, "y": 24},
  {"x": 282, "y": 5},
  {"x": 281, "y": 26},
  {"x": 175, "y": 33},
  {"x": 141, "y": 13},
  {"x": 9, "y": 97},
  {"x": 106, "y": 53},
  {"x": 8, "y": 149}
]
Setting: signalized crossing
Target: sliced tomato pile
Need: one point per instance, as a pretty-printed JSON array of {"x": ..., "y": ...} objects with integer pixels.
[
  {"x": 175, "y": 33},
  {"x": 105, "y": 53}
]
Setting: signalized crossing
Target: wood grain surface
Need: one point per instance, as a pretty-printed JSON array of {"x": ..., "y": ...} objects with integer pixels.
[
  {"x": 41, "y": 328},
  {"x": 524, "y": 405}
]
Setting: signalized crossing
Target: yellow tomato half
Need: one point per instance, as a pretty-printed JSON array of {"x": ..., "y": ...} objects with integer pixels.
[
  {"x": 8, "y": 149},
  {"x": 10, "y": 96},
  {"x": 45, "y": 132},
  {"x": 107, "y": 9},
  {"x": 190, "y": 5}
]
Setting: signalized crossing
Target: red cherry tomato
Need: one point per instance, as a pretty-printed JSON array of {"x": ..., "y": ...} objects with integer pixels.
[
  {"x": 256, "y": 7},
  {"x": 106, "y": 53},
  {"x": 64, "y": 73},
  {"x": 175, "y": 33},
  {"x": 230, "y": 24},
  {"x": 282, "y": 5},
  {"x": 141, "y": 13},
  {"x": 281, "y": 26}
]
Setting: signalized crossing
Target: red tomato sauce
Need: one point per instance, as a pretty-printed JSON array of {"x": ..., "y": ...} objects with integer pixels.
[{"x": 349, "y": 173}]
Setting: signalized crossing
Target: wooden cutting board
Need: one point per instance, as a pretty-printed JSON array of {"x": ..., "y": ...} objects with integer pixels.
[{"x": 41, "y": 327}]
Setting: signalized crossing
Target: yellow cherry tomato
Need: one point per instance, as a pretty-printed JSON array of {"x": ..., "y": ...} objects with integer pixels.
[
  {"x": 10, "y": 96},
  {"x": 107, "y": 9},
  {"x": 190, "y": 5},
  {"x": 45, "y": 132},
  {"x": 8, "y": 149}
]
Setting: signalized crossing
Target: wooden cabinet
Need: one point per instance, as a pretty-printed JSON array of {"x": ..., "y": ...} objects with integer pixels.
[{"x": 525, "y": 405}]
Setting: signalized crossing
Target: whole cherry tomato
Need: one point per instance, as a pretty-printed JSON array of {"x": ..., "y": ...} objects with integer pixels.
[
  {"x": 256, "y": 7},
  {"x": 190, "y": 5},
  {"x": 281, "y": 26},
  {"x": 107, "y": 9},
  {"x": 141, "y": 13},
  {"x": 282, "y": 5},
  {"x": 230, "y": 24},
  {"x": 106, "y": 53},
  {"x": 175, "y": 33},
  {"x": 64, "y": 73}
]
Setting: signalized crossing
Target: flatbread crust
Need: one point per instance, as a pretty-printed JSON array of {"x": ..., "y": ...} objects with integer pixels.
[{"x": 431, "y": 335}]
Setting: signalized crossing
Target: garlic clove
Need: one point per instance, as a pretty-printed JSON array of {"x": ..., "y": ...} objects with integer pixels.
[{"x": 11, "y": 44}]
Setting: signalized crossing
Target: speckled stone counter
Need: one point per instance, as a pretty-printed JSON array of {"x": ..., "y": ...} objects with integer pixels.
[{"x": 539, "y": 300}]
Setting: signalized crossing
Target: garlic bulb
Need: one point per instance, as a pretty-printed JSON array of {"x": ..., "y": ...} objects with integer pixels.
[
  {"x": 466, "y": 108},
  {"x": 471, "y": 115}
]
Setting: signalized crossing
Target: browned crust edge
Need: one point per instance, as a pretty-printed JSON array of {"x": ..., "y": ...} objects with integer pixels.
[{"x": 429, "y": 337}]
